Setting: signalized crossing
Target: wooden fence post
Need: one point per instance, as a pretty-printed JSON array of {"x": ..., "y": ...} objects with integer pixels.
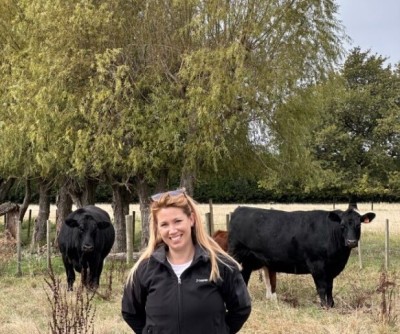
[
  {"x": 129, "y": 237},
  {"x": 211, "y": 218},
  {"x": 29, "y": 223},
  {"x": 133, "y": 229},
  {"x": 19, "y": 255},
  {"x": 359, "y": 255},
  {"x": 48, "y": 228},
  {"x": 208, "y": 226},
  {"x": 387, "y": 245},
  {"x": 228, "y": 220}
]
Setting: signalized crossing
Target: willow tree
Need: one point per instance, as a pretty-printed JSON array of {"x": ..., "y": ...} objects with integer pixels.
[
  {"x": 33, "y": 121},
  {"x": 137, "y": 90}
]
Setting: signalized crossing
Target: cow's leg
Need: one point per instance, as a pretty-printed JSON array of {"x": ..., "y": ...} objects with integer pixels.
[
  {"x": 246, "y": 272},
  {"x": 323, "y": 282},
  {"x": 324, "y": 287},
  {"x": 69, "y": 269},
  {"x": 84, "y": 276},
  {"x": 96, "y": 267},
  {"x": 270, "y": 283},
  {"x": 329, "y": 288}
]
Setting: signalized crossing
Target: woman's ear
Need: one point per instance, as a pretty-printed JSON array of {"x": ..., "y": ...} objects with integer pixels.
[{"x": 192, "y": 220}]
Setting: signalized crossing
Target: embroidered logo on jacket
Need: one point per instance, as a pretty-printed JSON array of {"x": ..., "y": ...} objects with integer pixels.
[{"x": 201, "y": 280}]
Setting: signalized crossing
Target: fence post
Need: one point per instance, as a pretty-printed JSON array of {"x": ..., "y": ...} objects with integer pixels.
[
  {"x": 211, "y": 218},
  {"x": 359, "y": 254},
  {"x": 387, "y": 245},
  {"x": 133, "y": 229},
  {"x": 19, "y": 256},
  {"x": 29, "y": 223},
  {"x": 129, "y": 234},
  {"x": 48, "y": 227},
  {"x": 228, "y": 220},
  {"x": 208, "y": 226}
]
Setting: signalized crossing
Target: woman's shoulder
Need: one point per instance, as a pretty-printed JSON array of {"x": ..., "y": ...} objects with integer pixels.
[
  {"x": 143, "y": 266},
  {"x": 226, "y": 261}
]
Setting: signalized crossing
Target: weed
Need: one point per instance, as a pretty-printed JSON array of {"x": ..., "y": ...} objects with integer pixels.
[
  {"x": 71, "y": 312},
  {"x": 387, "y": 310}
]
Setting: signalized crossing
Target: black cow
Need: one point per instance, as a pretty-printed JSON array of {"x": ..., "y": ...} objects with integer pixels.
[
  {"x": 85, "y": 239},
  {"x": 300, "y": 242}
]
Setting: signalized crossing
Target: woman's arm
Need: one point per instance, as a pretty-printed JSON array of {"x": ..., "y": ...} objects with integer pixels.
[
  {"x": 133, "y": 304},
  {"x": 236, "y": 297}
]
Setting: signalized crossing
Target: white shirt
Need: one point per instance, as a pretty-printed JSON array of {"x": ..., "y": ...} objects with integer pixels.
[{"x": 179, "y": 268}]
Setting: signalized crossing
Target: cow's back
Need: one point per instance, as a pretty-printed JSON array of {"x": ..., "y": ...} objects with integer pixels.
[{"x": 278, "y": 239}]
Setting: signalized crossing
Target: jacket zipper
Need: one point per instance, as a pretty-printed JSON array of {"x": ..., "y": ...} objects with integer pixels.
[{"x": 179, "y": 304}]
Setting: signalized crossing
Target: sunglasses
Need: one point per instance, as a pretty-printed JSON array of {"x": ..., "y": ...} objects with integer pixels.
[{"x": 172, "y": 193}]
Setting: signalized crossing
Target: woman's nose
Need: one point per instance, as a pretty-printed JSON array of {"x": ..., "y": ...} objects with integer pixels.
[{"x": 172, "y": 230}]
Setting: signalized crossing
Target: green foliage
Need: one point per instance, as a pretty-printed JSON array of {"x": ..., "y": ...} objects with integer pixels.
[{"x": 358, "y": 138}]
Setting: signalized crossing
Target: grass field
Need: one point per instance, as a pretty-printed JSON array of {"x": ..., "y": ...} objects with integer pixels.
[{"x": 366, "y": 300}]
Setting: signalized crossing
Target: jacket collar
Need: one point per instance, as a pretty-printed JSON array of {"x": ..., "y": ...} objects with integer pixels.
[{"x": 160, "y": 254}]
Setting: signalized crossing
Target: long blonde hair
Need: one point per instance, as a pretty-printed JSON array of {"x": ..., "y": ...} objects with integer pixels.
[{"x": 179, "y": 199}]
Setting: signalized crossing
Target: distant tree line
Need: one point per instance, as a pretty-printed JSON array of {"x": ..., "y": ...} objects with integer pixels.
[{"x": 225, "y": 191}]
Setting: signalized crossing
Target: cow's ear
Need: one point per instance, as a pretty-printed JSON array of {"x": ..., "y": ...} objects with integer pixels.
[
  {"x": 103, "y": 224},
  {"x": 334, "y": 217},
  {"x": 367, "y": 217},
  {"x": 71, "y": 222}
]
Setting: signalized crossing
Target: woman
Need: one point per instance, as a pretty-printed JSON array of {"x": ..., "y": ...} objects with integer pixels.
[{"x": 183, "y": 283}]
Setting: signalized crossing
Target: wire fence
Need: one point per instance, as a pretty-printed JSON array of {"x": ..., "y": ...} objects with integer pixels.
[{"x": 379, "y": 238}]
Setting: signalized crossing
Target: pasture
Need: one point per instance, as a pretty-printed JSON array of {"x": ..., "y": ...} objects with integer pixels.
[{"x": 366, "y": 299}]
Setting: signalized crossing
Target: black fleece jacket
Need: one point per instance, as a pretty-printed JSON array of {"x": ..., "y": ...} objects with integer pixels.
[{"x": 156, "y": 301}]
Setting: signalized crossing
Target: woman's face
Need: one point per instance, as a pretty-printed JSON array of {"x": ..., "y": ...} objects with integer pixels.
[{"x": 174, "y": 227}]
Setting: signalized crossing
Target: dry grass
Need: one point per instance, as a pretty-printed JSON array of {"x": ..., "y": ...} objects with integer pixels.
[{"x": 358, "y": 294}]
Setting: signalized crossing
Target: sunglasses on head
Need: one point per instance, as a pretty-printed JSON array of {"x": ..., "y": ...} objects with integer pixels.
[{"x": 172, "y": 193}]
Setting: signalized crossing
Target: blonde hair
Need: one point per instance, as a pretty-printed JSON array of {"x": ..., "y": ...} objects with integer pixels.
[{"x": 199, "y": 235}]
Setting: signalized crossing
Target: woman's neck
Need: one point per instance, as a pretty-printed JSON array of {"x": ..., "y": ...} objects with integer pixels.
[{"x": 181, "y": 257}]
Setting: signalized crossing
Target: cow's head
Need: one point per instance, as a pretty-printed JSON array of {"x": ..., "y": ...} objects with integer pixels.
[
  {"x": 350, "y": 223},
  {"x": 87, "y": 228}
]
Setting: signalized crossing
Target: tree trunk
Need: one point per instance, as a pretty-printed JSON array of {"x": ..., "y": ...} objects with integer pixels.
[
  {"x": 83, "y": 195},
  {"x": 144, "y": 206},
  {"x": 39, "y": 233},
  {"x": 187, "y": 181},
  {"x": 5, "y": 186},
  {"x": 27, "y": 200},
  {"x": 89, "y": 192},
  {"x": 11, "y": 210},
  {"x": 162, "y": 182},
  {"x": 64, "y": 208},
  {"x": 120, "y": 205}
]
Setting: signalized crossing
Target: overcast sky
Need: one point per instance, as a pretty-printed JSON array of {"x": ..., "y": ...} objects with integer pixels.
[{"x": 374, "y": 25}]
